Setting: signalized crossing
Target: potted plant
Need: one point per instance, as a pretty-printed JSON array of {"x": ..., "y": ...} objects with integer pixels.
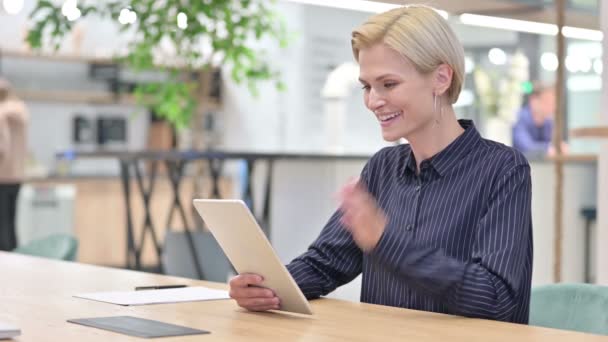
[{"x": 202, "y": 34}]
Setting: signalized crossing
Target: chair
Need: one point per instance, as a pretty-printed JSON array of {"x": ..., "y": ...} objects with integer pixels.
[
  {"x": 177, "y": 258},
  {"x": 589, "y": 214},
  {"x": 57, "y": 246},
  {"x": 578, "y": 307}
]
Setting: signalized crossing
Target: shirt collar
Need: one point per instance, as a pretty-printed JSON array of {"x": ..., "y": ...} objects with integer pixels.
[{"x": 446, "y": 159}]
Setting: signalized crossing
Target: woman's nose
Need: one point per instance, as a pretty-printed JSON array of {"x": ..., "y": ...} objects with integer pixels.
[{"x": 375, "y": 100}]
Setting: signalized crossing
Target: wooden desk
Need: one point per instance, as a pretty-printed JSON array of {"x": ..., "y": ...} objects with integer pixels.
[{"x": 36, "y": 295}]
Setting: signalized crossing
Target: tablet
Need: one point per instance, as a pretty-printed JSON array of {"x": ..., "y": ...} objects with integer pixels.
[{"x": 249, "y": 251}]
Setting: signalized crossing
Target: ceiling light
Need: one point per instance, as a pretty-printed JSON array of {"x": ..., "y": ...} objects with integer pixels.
[
  {"x": 530, "y": 27},
  {"x": 467, "y": 19},
  {"x": 548, "y": 61},
  {"x": 497, "y": 56},
  {"x": 508, "y": 24},
  {"x": 12, "y": 7},
  {"x": 580, "y": 33},
  {"x": 358, "y": 5},
  {"x": 572, "y": 64}
]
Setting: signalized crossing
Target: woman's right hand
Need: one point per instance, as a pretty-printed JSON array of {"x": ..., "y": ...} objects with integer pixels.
[{"x": 247, "y": 291}]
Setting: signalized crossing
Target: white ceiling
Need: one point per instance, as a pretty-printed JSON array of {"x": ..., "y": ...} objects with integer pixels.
[{"x": 510, "y": 9}]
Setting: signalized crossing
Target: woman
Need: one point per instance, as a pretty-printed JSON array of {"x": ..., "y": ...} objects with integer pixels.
[
  {"x": 13, "y": 151},
  {"x": 440, "y": 224}
]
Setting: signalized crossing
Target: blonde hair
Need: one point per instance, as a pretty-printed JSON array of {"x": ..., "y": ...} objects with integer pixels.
[{"x": 421, "y": 35}]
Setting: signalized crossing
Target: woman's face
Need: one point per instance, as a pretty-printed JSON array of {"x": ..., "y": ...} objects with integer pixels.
[{"x": 399, "y": 96}]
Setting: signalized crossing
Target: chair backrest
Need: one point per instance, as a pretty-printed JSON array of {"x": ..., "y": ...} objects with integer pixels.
[
  {"x": 177, "y": 257},
  {"x": 579, "y": 307},
  {"x": 57, "y": 246}
]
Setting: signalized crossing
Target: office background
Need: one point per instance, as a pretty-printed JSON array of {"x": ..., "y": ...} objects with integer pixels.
[{"x": 73, "y": 110}]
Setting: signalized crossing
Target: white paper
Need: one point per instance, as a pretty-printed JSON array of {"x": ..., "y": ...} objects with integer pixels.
[
  {"x": 8, "y": 331},
  {"x": 164, "y": 296}
]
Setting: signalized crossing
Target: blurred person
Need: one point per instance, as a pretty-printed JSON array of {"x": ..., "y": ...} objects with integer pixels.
[
  {"x": 13, "y": 151},
  {"x": 440, "y": 224},
  {"x": 533, "y": 131}
]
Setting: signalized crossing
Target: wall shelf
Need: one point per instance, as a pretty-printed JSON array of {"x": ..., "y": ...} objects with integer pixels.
[
  {"x": 94, "y": 97},
  {"x": 55, "y": 57},
  {"x": 66, "y": 96}
]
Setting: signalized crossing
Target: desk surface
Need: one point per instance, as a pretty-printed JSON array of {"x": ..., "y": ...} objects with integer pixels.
[{"x": 36, "y": 296}]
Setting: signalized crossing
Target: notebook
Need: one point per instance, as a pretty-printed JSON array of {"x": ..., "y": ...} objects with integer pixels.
[
  {"x": 165, "y": 296},
  {"x": 8, "y": 331},
  {"x": 139, "y": 327}
]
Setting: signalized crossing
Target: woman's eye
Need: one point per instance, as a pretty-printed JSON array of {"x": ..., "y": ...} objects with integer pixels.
[
  {"x": 390, "y": 85},
  {"x": 365, "y": 87}
]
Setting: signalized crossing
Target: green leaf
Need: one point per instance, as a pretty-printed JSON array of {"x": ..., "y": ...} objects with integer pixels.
[{"x": 173, "y": 98}]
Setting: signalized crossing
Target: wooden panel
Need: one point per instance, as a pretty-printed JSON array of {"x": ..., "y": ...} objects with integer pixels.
[
  {"x": 574, "y": 158},
  {"x": 590, "y": 132}
]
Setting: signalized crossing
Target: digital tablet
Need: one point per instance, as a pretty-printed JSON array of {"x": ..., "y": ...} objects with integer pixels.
[{"x": 244, "y": 243}]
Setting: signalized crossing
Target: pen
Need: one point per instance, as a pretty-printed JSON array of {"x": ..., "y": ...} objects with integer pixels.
[{"x": 158, "y": 287}]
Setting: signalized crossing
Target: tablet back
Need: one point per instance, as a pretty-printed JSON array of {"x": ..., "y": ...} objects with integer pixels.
[{"x": 247, "y": 248}]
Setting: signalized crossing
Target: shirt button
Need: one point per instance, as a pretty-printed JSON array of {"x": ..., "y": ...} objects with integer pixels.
[{"x": 409, "y": 227}]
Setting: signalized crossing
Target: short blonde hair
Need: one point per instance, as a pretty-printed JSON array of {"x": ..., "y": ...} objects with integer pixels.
[{"x": 421, "y": 35}]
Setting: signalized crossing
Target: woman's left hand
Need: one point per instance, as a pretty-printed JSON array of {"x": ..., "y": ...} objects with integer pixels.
[{"x": 361, "y": 215}]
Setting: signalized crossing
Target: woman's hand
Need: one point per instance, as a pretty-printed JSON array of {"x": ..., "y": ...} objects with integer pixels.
[
  {"x": 247, "y": 291},
  {"x": 361, "y": 215}
]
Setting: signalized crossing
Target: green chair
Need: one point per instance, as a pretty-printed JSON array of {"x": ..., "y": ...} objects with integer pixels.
[
  {"x": 59, "y": 246},
  {"x": 578, "y": 307}
]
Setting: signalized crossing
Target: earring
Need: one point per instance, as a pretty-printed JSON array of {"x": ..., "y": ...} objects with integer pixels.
[{"x": 437, "y": 119}]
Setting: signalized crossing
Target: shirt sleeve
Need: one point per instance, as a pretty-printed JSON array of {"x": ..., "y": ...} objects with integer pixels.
[
  {"x": 332, "y": 260},
  {"x": 489, "y": 284},
  {"x": 525, "y": 143}
]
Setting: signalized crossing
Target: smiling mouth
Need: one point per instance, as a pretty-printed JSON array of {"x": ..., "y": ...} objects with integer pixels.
[{"x": 385, "y": 118}]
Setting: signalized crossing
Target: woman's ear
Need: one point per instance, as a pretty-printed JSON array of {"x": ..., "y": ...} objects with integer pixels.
[{"x": 443, "y": 78}]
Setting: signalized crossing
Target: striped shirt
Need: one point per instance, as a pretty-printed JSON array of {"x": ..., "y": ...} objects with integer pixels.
[{"x": 458, "y": 238}]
